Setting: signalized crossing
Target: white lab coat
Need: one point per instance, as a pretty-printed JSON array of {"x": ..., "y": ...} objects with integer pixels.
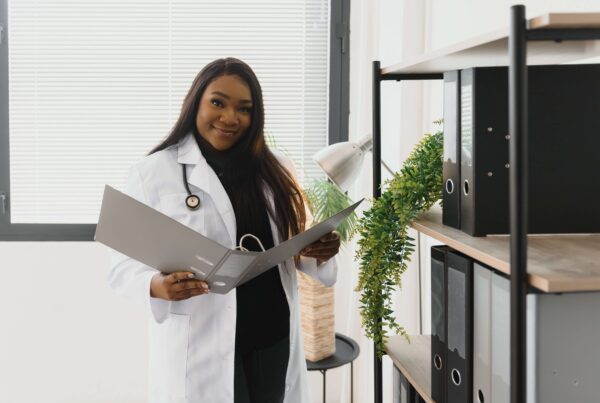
[{"x": 192, "y": 342}]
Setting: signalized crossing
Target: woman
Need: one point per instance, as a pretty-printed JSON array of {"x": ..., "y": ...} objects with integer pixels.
[{"x": 245, "y": 346}]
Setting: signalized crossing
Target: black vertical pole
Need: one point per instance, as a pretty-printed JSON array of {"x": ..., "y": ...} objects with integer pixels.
[
  {"x": 377, "y": 376},
  {"x": 517, "y": 47},
  {"x": 324, "y": 372},
  {"x": 352, "y": 381}
]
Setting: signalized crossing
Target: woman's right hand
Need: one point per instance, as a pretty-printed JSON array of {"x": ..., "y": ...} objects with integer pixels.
[{"x": 176, "y": 286}]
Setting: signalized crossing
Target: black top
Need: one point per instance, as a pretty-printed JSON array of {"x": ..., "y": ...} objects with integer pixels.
[{"x": 263, "y": 315}]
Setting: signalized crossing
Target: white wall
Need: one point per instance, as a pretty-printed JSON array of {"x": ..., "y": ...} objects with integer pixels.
[
  {"x": 66, "y": 338},
  {"x": 457, "y": 20},
  {"x": 377, "y": 34}
]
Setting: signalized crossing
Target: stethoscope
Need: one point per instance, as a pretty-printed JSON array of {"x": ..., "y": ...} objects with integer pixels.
[{"x": 191, "y": 201}]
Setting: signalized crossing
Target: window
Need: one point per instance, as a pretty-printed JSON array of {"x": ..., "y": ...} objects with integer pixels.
[{"x": 87, "y": 88}]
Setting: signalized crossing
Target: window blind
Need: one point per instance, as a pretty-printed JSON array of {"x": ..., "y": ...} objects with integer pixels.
[{"x": 93, "y": 86}]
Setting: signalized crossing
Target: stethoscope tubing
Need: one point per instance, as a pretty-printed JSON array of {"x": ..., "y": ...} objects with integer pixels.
[{"x": 191, "y": 201}]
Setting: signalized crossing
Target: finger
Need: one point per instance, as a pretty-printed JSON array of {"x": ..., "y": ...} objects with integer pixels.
[
  {"x": 324, "y": 251},
  {"x": 326, "y": 237},
  {"x": 330, "y": 237},
  {"x": 323, "y": 255},
  {"x": 190, "y": 285},
  {"x": 185, "y": 294},
  {"x": 316, "y": 243},
  {"x": 307, "y": 252},
  {"x": 312, "y": 247},
  {"x": 179, "y": 276},
  {"x": 323, "y": 246}
]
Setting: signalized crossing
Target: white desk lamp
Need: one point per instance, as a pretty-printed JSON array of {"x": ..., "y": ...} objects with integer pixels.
[{"x": 342, "y": 161}]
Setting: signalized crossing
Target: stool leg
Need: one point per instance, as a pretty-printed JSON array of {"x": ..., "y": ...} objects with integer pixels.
[
  {"x": 351, "y": 382},
  {"x": 323, "y": 371}
]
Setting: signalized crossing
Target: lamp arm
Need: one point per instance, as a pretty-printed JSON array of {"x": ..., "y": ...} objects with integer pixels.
[
  {"x": 366, "y": 144},
  {"x": 387, "y": 168}
]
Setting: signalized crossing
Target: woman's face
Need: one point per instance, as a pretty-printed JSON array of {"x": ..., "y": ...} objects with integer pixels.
[{"x": 224, "y": 113}]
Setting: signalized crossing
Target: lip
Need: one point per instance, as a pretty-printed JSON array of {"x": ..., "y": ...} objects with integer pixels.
[{"x": 224, "y": 132}]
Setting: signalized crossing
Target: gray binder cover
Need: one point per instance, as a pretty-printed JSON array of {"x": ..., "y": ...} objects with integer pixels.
[
  {"x": 482, "y": 337},
  {"x": 500, "y": 329},
  {"x": 161, "y": 242}
]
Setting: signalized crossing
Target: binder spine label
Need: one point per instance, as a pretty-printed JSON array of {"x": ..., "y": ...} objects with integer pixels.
[{"x": 451, "y": 166}]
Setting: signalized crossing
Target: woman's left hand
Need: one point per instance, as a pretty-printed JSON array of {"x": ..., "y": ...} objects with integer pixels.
[{"x": 323, "y": 249}]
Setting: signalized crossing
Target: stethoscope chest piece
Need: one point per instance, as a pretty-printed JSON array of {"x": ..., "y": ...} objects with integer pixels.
[{"x": 192, "y": 202}]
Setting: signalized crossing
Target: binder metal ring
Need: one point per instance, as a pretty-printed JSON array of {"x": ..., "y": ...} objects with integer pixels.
[
  {"x": 449, "y": 186},
  {"x": 456, "y": 377}
]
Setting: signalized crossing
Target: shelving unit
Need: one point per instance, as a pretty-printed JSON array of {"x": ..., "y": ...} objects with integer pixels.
[
  {"x": 491, "y": 49},
  {"x": 556, "y": 263},
  {"x": 412, "y": 359}
]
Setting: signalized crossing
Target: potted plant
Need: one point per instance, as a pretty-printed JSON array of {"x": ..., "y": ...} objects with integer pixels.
[
  {"x": 384, "y": 247},
  {"x": 317, "y": 301}
]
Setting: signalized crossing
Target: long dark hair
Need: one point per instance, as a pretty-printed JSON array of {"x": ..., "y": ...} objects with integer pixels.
[{"x": 261, "y": 168}]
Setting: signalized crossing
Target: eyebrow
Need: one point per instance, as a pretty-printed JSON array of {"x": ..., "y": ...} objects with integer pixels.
[{"x": 243, "y": 101}]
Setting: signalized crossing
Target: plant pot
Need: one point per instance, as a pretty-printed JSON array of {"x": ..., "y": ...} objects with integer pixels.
[{"x": 318, "y": 321}]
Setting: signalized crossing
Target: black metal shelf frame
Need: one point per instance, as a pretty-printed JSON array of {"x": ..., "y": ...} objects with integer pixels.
[
  {"x": 519, "y": 35},
  {"x": 378, "y": 77}
]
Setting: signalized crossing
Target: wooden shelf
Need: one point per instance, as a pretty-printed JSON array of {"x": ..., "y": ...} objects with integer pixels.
[
  {"x": 556, "y": 263},
  {"x": 491, "y": 49},
  {"x": 412, "y": 359}
]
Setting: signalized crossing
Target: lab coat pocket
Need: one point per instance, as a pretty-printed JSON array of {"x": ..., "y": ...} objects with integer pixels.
[
  {"x": 173, "y": 345},
  {"x": 174, "y": 206}
]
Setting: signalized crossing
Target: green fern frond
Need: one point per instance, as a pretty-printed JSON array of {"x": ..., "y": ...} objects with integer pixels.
[
  {"x": 326, "y": 199},
  {"x": 384, "y": 247}
]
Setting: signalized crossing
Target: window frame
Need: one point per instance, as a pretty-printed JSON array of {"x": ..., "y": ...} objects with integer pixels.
[{"x": 339, "y": 83}]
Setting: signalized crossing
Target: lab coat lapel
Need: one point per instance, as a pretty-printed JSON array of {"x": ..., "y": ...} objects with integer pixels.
[{"x": 205, "y": 178}]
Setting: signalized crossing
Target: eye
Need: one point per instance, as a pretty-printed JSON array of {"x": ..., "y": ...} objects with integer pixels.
[
  {"x": 246, "y": 109},
  {"x": 216, "y": 102}
]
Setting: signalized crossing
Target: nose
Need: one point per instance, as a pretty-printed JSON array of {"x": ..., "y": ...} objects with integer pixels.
[{"x": 229, "y": 117}]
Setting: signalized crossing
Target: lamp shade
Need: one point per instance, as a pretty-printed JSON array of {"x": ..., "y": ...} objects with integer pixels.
[{"x": 342, "y": 161}]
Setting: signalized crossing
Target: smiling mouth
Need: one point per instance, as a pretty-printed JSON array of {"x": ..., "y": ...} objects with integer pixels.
[{"x": 228, "y": 133}]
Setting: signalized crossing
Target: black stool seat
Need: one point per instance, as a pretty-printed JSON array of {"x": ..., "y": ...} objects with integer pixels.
[{"x": 346, "y": 350}]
